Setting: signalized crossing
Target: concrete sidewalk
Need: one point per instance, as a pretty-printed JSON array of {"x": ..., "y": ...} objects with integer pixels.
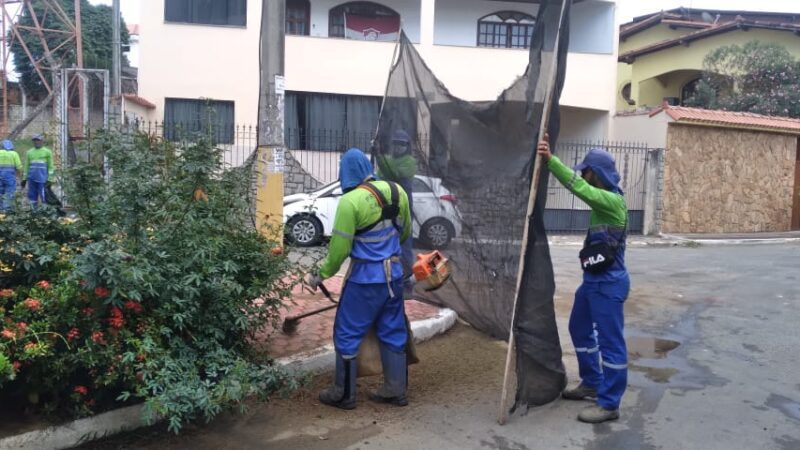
[{"x": 670, "y": 240}]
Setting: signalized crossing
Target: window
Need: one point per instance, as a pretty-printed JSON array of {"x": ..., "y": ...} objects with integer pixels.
[
  {"x": 419, "y": 186},
  {"x": 626, "y": 94},
  {"x": 689, "y": 90},
  {"x": 364, "y": 21},
  {"x": 329, "y": 122},
  {"x": 506, "y": 29},
  {"x": 185, "y": 117},
  {"x": 206, "y": 12},
  {"x": 297, "y": 17}
]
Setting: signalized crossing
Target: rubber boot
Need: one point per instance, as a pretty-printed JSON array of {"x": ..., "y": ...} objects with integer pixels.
[
  {"x": 343, "y": 392},
  {"x": 395, "y": 378}
]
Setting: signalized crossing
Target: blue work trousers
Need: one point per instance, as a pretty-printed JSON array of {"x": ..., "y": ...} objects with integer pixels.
[
  {"x": 36, "y": 191},
  {"x": 8, "y": 187},
  {"x": 596, "y": 326},
  {"x": 363, "y": 306}
]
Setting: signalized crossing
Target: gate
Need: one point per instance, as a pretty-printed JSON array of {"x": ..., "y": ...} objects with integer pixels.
[{"x": 567, "y": 214}]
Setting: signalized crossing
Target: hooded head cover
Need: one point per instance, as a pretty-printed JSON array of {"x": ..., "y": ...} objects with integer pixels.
[
  {"x": 8, "y": 145},
  {"x": 602, "y": 163},
  {"x": 354, "y": 169},
  {"x": 400, "y": 136}
]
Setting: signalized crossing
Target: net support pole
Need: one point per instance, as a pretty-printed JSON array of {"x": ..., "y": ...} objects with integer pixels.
[{"x": 509, "y": 375}]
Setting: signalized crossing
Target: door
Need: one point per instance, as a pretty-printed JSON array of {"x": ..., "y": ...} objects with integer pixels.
[{"x": 796, "y": 202}]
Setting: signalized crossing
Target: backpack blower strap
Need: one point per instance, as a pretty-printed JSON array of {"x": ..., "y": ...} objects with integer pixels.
[{"x": 389, "y": 211}]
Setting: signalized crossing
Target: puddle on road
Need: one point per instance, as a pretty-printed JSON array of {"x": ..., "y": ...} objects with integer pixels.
[
  {"x": 646, "y": 347},
  {"x": 787, "y": 406}
]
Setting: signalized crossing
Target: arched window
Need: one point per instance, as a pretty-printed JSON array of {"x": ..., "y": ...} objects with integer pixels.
[
  {"x": 364, "y": 21},
  {"x": 688, "y": 90},
  {"x": 626, "y": 94},
  {"x": 506, "y": 29},
  {"x": 298, "y": 13}
]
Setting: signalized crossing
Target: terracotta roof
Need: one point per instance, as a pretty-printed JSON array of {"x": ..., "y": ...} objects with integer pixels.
[
  {"x": 139, "y": 101},
  {"x": 739, "y": 24},
  {"x": 730, "y": 119},
  {"x": 693, "y": 18}
]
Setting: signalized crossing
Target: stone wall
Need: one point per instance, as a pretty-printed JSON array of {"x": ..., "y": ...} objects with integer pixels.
[
  {"x": 719, "y": 180},
  {"x": 44, "y": 123},
  {"x": 295, "y": 178}
]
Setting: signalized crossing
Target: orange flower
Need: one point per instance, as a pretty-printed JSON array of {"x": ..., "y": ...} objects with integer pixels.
[
  {"x": 16, "y": 365},
  {"x": 101, "y": 292},
  {"x": 81, "y": 390},
  {"x": 22, "y": 327},
  {"x": 98, "y": 338},
  {"x": 43, "y": 284},
  {"x": 73, "y": 334},
  {"x": 32, "y": 304},
  {"x": 6, "y": 333},
  {"x": 117, "y": 319},
  {"x": 6, "y": 293},
  {"x": 30, "y": 346},
  {"x": 134, "y": 306}
]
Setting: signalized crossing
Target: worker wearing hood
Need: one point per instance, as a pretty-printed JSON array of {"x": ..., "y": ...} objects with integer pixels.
[
  {"x": 596, "y": 323},
  {"x": 372, "y": 295}
]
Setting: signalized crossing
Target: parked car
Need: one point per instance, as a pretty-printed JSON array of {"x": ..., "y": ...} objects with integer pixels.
[{"x": 308, "y": 217}]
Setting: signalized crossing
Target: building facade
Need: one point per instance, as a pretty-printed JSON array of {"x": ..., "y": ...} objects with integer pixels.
[{"x": 338, "y": 55}]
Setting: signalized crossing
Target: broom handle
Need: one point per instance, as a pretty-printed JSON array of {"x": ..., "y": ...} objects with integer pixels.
[{"x": 504, "y": 411}]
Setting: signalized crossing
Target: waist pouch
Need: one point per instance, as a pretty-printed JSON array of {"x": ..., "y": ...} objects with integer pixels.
[{"x": 597, "y": 257}]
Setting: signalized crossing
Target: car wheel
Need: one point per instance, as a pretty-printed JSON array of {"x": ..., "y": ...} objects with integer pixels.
[
  {"x": 304, "y": 231},
  {"x": 437, "y": 233}
]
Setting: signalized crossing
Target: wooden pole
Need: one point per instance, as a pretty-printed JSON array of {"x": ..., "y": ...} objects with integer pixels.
[{"x": 537, "y": 169}]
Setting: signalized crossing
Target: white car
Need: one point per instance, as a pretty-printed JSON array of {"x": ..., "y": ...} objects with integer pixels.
[{"x": 308, "y": 217}]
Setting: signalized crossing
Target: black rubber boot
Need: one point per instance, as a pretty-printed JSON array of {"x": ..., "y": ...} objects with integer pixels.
[
  {"x": 343, "y": 392},
  {"x": 395, "y": 379}
]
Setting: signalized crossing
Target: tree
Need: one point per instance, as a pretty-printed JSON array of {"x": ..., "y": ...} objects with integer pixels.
[
  {"x": 756, "y": 77},
  {"x": 96, "y": 37}
]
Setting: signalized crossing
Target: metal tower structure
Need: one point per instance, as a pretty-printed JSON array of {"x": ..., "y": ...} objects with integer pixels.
[{"x": 57, "y": 33}]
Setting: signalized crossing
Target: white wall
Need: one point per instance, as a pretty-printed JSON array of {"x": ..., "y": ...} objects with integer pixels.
[
  {"x": 408, "y": 10},
  {"x": 583, "y": 124},
  {"x": 592, "y": 26},
  {"x": 642, "y": 128}
]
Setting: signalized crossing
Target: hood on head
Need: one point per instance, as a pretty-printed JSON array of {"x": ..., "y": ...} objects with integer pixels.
[
  {"x": 602, "y": 163},
  {"x": 354, "y": 169},
  {"x": 8, "y": 145},
  {"x": 401, "y": 136}
]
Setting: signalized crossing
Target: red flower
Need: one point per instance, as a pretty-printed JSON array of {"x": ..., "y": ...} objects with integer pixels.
[
  {"x": 73, "y": 334},
  {"x": 89, "y": 403},
  {"x": 6, "y": 293},
  {"x": 101, "y": 292},
  {"x": 43, "y": 284},
  {"x": 6, "y": 333},
  {"x": 16, "y": 365},
  {"x": 87, "y": 312},
  {"x": 98, "y": 338},
  {"x": 117, "y": 319},
  {"x": 32, "y": 304},
  {"x": 81, "y": 390},
  {"x": 139, "y": 376},
  {"x": 134, "y": 306},
  {"x": 30, "y": 346},
  {"x": 22, "y": 327}
]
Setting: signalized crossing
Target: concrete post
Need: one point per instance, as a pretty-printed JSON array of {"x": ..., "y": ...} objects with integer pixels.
[
  {"x": 652, "y": 193},
  {"x": 426, "y": 22}
]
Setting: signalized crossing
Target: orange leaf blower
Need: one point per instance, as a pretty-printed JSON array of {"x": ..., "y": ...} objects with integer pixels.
[{"x": 431, "y": 270}]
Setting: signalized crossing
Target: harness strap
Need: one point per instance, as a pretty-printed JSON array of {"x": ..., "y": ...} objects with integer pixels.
[{"x": 389, "y": 211}]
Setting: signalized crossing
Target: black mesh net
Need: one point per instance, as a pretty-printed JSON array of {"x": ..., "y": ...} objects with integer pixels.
[{"x": 476, "y": 161}]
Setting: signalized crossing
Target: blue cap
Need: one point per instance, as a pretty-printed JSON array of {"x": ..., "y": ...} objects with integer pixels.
[
  {"x": 602, "y": 163},
  {"x": 8, "y": 145},
  {"x": 401, "y": 137},
  {"x": 37, "y": 137}
]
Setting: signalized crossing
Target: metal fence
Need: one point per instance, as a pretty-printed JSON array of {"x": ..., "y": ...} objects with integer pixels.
[{"x": 566, "y": 213}]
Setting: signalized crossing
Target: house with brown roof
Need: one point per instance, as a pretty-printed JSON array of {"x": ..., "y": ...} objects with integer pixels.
[
  {"x": 661, "y": 54},
  {"x": 719, "y": 171}
]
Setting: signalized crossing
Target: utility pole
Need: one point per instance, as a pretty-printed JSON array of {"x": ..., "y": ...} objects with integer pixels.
[
  {"x": 271, "y": 148},
  {"x": 116, "y": 65}
]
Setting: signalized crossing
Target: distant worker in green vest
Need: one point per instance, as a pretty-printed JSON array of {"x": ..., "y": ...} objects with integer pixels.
[
  {"x": 398, "y": 164},
  {"x": 10, "y": 168},
  {"x": 38, "y": 170}
]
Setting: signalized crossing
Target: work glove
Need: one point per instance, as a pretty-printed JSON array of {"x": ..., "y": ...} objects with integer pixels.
[
  {"x": 24, "y": 183},
  {"x": 313, "y": 281}
]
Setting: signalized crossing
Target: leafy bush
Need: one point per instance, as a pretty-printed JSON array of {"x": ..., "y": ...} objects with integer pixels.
[{"x": 155, "y": 294}]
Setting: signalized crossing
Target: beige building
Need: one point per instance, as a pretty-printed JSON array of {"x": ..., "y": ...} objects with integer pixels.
[
  {"x": 338, "y": 56},
  {"x": 723, "y": 172}
]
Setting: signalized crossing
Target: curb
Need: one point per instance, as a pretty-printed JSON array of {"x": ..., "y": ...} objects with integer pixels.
[
  {"x": 129, "y": 418},
  {"x": 323, "y": 358},
  {"x": 677, "y": 240}
]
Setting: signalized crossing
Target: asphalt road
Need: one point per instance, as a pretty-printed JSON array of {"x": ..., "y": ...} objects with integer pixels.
[{"x": 713, "y": 338}]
